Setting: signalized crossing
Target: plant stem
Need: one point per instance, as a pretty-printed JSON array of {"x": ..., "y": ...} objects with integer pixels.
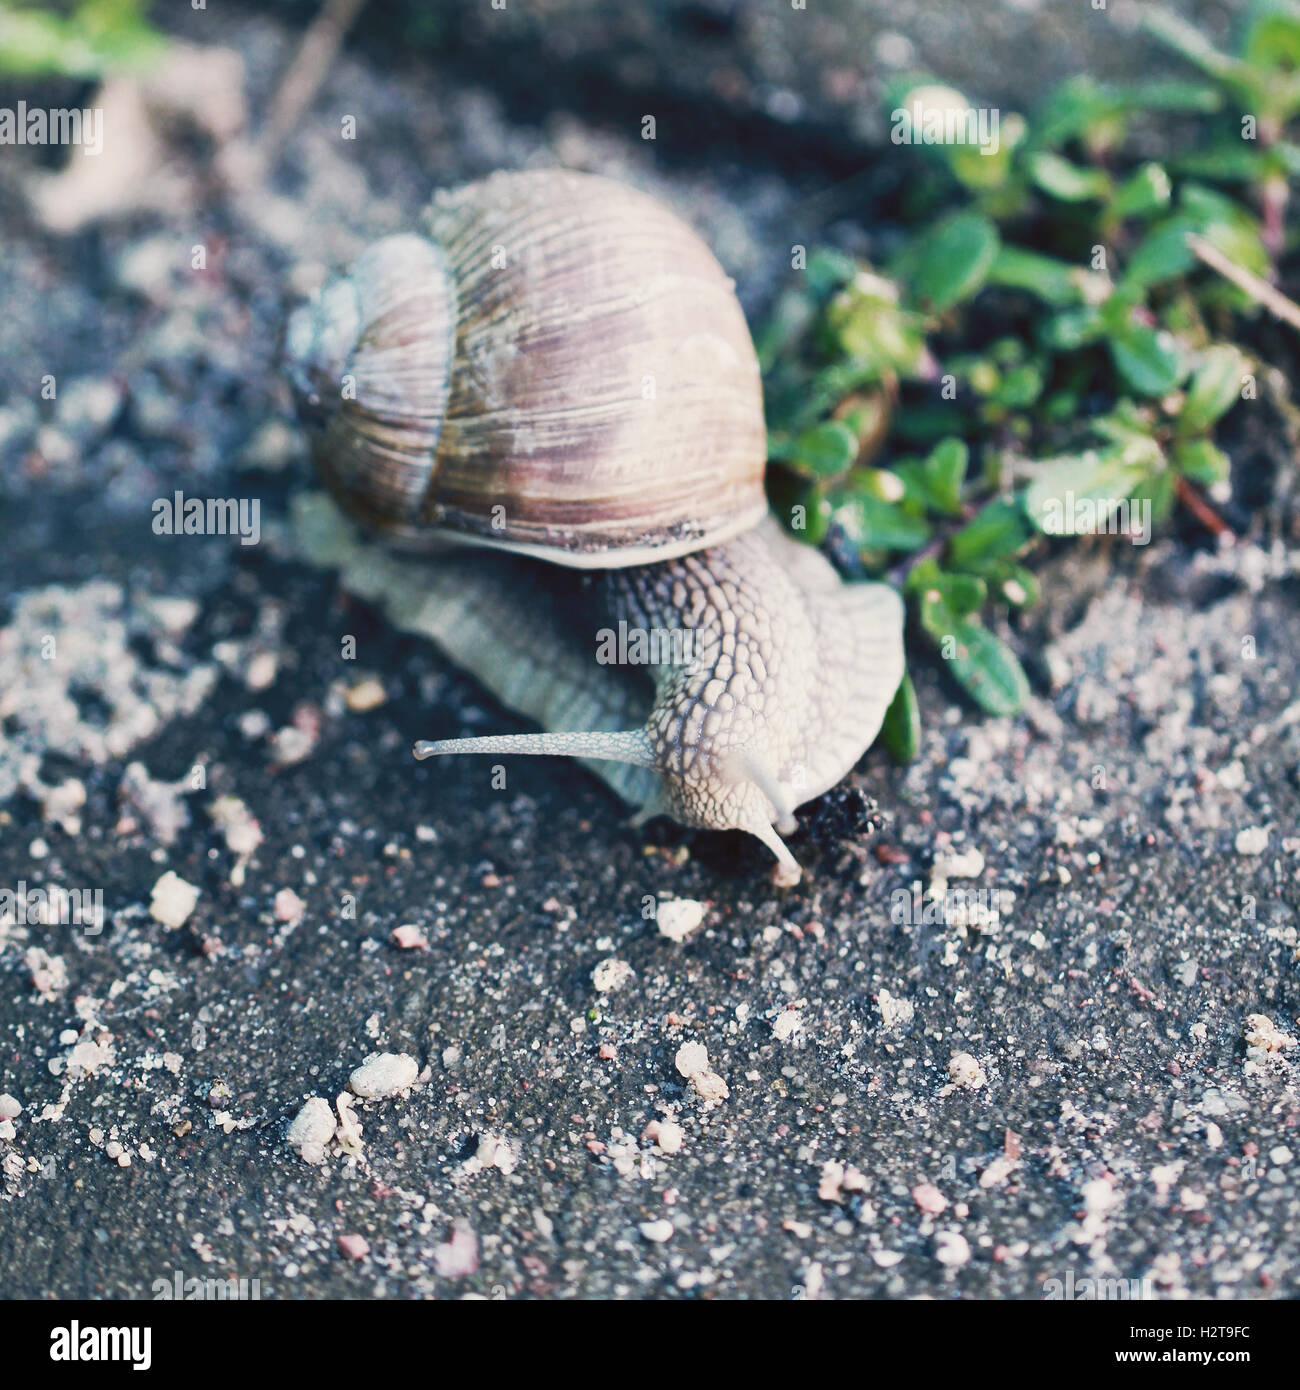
[
  {"x": 1259, "y": 290},
  {"x": 1201, "y": 509}
]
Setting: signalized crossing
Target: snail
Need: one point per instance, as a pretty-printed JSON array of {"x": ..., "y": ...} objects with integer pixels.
[{"x": 551, "y": 390}]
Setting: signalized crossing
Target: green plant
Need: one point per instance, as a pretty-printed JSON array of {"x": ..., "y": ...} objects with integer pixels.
[
  {"x": 1045, "y": 350},
  {"x": 85, "y": 40}
]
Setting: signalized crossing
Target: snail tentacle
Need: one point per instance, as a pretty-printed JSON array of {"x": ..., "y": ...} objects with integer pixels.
[{"x": 631, "y": 746}]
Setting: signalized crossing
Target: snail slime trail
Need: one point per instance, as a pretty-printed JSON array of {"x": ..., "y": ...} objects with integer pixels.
[{"x": 457, "y": 396}]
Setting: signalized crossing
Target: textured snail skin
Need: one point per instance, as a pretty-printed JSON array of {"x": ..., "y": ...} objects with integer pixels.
[{"x": 790, "y": 674}]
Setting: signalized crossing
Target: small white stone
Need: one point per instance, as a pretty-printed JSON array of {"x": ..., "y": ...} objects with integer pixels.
[
  {"x": 929, "y": 1198},
  {"x": 710, "y": 1086},
  {"x": 679, "y": 917},
  {"x": 957, "y": 865},
  {"x": 458, "y": 1256},
  {"x": 1262, "y": 1032},
  {"x": 657, "y": 1231},
  {"x": 787, "y": 1024},
  {"x": 1252, "y": 840},
  {"x": 951, "y": 1249},
  {"x": 666, "y": 1135},
  {"x": 289, "y": 907},
  {"x": 10, "y": 1107},
  {"x": 312, "y": 1128},
  {"x": 365, "y": 695},
  {"x": 384, "y": 1074},
  {"x": 966, "y": 1072},
  {"x": 353, "y": 1246},
  {"x": 173, "y": 900},
  {"x": 894, "y": 1011},
  {"x": 692, "y": 1062},
  {"x": 611, "y": 974},
  {"x": 692, "y": 1059}
]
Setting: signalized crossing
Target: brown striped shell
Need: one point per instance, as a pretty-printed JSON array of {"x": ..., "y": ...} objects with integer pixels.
[{"x": 557, "y": 366}]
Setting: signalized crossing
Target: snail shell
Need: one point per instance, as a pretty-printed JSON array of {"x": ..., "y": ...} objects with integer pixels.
[{"x": 558, "y": 366}]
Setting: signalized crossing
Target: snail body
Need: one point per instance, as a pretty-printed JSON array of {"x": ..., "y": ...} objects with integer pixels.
[{"x": 559, "y": 368}]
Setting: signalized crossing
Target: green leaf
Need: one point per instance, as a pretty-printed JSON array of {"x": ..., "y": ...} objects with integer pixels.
[
  {"x": 1163, "y": 254},
  {"x": 825, "y": 451},
  {"x": 875, "y": 525},
  {"x": 1066, "y": 181},
  {"x": 828, "y": 269},
  {"x": 944, "y": 471},
  {"x": 985, "y": 667},
  {"x": 1231, "y": 161},
  {"x": 952, "y": 260},
  {"x": 1073, "y": 329},
  {"x": 1081, "y": 106},
  {"x": 981, "y": 167},
  {"x": 1225, "y": 224},
  {"x": 1067, "y": 487},
  {"x": 866, "y": 323},
  {"x": 1055, "y": 282},
  {"x": 1161, "y": 489},
  {"x": 1149, "y": 359},
  {"x": 1000, "y": 529},
  {"x": 1272, "y": 38},
  {"x": 1201, "y": 461},
  {"x": 1168, "y": 94},
  {"x": 801, "y": 505},
  {"x": 961, "y": 594},
  {"x": 901, "y": 731},
  {"x": 1021, "y": 386},
  {"x": 964, "y": 594},
  {"x": 1074, "y": 108},
  {"x": 1146, "y": 192},
  {"x": 989, "y": 670},
  {"x": 1214, "y": 389}
]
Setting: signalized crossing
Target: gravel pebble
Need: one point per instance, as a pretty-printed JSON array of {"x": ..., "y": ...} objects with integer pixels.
[
  {"x": 384, "y": 1074},
  {"x": 312, "y": 1128},
  {"x": 172, "y": 900},
  {"x": 679, "y": 917}
]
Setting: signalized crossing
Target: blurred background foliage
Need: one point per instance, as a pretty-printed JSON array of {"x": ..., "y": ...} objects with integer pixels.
[
  {"x": 82, "y": 40},
  {"x": 1047, "y": 335}
]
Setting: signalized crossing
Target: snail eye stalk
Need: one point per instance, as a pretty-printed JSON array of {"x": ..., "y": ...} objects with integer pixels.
[{"x": 630, "y": 747}]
